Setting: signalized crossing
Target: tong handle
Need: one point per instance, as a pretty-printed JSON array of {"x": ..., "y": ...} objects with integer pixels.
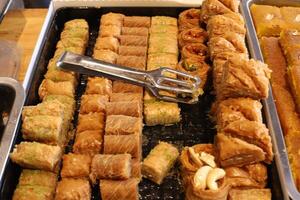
[{"x": 89, "y": 66}]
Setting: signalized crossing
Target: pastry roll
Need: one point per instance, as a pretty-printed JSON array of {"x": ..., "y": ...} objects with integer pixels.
[
  {"x": 249, "y": 176},
  {"x": 132, "y": 108},
  {"x": 119, "y": 144},
  {"x": 290, "y": 16},
  {"x": 105, "y": 166},
  {"x": 76, "y": 166},
  {"x": 112, "y": 19},
  {"x": 172, "y": 31},
  {"x": 43, "y": 128},
  {"x": 230, "y": 42},
  {"x": 136, "y": 62},
  {"x": 139, "y": 31},
  {"x": 75, "y": 33},
  {"x": 91, "y": 121},
  {"x": 137, "y": 21},
  {"x": 76, "y": 23},
  {"x": 88, "y": 142},
  {"x": 273, "y": 56},
  {"x": 231, "y": 4},
  {"x": 192, "y": 35},
  {"x": 115, "y": 97},
  {"x": 212, "y": 8},
  {"x": 71, "y": 42},
  {"x": 236, "y": 109},
  {"x": 189, "y": 19},
  {"x": 59, "y": 76},
  {"x": 133, "y": 40},
  {"x": 98, "y": 85},
  {"x": 93, "y": 103},
  {"x": 252, "y": 132},
  {"x": 195, "y": 50},
  {"x": 220, "y": 25},
  {"x": 110, "y": 31},
  {"x": 119, "y": 189},
  {"x": 194, "y": 67},
  {"x": 35, "y": 155},
  {"x": 236, "y": 152},
  {"x": 244, "y": 78},
  {"x": 267, "y": 19},
  {"x": 163, "y": 20},
  {"x": 159, "y": 162},
  {"x": 49, "y": 87},
  {"x": 289, "y": 39},
  {"x": 25, "y": 192},
  {"x": 123, "y": 125},
  {"x": 161, "y": 113},
  {"x": 69, "y": 189},
  {"x": 38, "y": 178},
  {"x": 250, "y": 194},
  {"x": 133, "y": 51},
  {"x": 123, "y": 87},
  {"x": 136, "y": 170},
  {"x": 109, "y": 43},
  {"x": 162, "y": 44},
  {"x": 105, "y": 55},
  {"x": 161, "y": 60}
]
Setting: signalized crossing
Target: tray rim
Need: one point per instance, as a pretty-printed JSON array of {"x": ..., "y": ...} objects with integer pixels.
[{"x": 281, "y": 157}]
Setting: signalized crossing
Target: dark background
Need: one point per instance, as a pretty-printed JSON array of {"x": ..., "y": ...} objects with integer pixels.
[{"x": 36, "y": 3}]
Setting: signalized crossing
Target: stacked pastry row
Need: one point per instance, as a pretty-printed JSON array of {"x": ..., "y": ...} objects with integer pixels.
[
  {"x": 242, "y": 141},
  {"x": 192, "y": 39},
  {"x": 280, "y": 54},
  {"x": 162, "y": 52},
  {"x": 47, "y": 126}
]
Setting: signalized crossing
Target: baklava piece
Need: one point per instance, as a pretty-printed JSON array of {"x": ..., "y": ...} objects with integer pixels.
[
  {"x": 98, "y": 85},
  {"x": 109, "y": 43},
  {"x": 49, "y": 87},
  {"x": 127, "y": 108},
  {"x": 123, "y": 125},
  {"x": 76, "y": 166},
  {"x": 267, "y": 19},
  {"x": 291, "y": 17},
  {"x": 93, "y": 103},
  {"x": 112, "y": 19},
  {"x": 105, "y": 55},
  {"x": 69, "y": 189},
  {"x": 137, "y": 21},
  {"x": 110, "y": 31},
  {"x": 250, "y": 194},
  {"x": 119, "y": 189},
  {"x": 88, "y": 142},
  {"x": 159, "y": 162},
  {"x": 91, "y": 121}
]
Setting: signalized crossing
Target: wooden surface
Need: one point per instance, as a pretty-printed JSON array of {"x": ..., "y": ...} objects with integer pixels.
[{"x": 23, "y": 27}]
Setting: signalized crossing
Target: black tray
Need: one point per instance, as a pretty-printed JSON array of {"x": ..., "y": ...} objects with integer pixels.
[{"x": 195, "y": 127}]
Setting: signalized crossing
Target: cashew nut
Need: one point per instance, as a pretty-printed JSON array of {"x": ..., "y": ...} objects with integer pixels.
[
  {"x": 201, "y": 176},
  {"x": 195, "y": 157},
  {"x": 213, "y": 176},
  {"x": 208, "y": 159}
]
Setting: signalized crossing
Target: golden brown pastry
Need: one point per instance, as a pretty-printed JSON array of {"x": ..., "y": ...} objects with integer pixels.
[
  {"x": 137, "y": 21},
  {"x": 211, "y": 8},
  {"x": 49, "y": 87},
  {"x": 115, "y": 97},
  {"x": 230, "y": 42},
  {"x": 110, "y": 31},
  {"x": 133, "y": 40},
  {"x": 244, "y": 78},
  {"x": 194, "y": 67},
  {"x": 127, "y": 108},
  {"x": 133, "y": 51},
  {"x": 136, "y": 62},
  {"x": 231, "y": 4},
  {"x": 88, "y": 142},
  {"x": 123, "y": 87},
  {"x": 105, "y": 55},
  {"x": 112, "y": 19},
  {"x": 235, "y": 109},
  {"x": 98, "y": 85},
  {"x": 93, "y": 103},
  {"x": 189, "y": 19},
  {"x": 91, "y": 121},
  {"x": 219, "y": 25},
  {"x": 123, "y": 125},
  {"x": 249, "y": 176},
  {"x": 236, "y": 152},
  {"x": 195, "y": 50},
  {"x": 119, "y": 189},
  {"x": 109, "y": 43},
  {"x": 139, "y": 31},
  {"x": 76, "y": 166},
  {"x": 294, "y": 82},
  {"x": 69, "y": 188},
  {"x": 192, "y": 35}
]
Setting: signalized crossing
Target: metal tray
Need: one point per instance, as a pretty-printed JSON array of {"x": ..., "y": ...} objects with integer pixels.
[
  {"x": 196, "y": 126},
  {"x": 12, "y": 99},
  {"x": 285, "y": 174}
]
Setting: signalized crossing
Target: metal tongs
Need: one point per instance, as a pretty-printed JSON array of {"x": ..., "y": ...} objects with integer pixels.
[{"x": 184, "y": 89}]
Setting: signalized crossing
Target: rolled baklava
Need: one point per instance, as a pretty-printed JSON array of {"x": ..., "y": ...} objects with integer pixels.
[
  {"x": 137, "y": 21},
  {"x": 98, "y": 85},
  {"x": 91, "y": 121},
  {"x": 49, "y": 87},
  {"x": 76, "y": 166},
  {"x": 132, "y": 109},
  {"x": 123, "y": 125},
  {"x": 93, "y": 103},
  {"x": 88, "y": 142},
  {"x": 192, "y": 35},
  {"x": 69, "y": 188}
]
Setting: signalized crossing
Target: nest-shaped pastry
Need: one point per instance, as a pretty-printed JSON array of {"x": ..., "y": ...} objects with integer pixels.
[
  {"x": 189, "y": 19},
  {"x": 195, "y": 50},
  {"x": 192, "y": 35},
  {"x": 192, "y": 193},
  {"x": 194, "y": 67}
]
